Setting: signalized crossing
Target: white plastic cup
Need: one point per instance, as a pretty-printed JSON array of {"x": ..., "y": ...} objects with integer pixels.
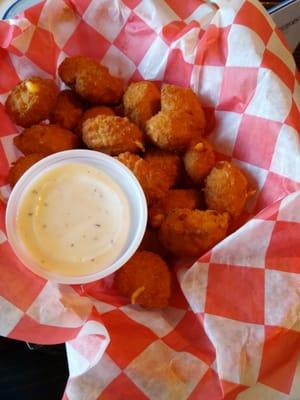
[{"x": 109, "y": 166}]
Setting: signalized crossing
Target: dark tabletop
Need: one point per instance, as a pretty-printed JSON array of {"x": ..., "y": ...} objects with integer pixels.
[{"x": 25, "y": 374}]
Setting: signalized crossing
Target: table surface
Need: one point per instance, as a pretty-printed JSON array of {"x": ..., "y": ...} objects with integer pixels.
[{"x": 25, "y": 374}]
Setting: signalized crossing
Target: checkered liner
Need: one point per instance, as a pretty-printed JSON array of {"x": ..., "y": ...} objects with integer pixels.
[{"x": 232, "y": 330}]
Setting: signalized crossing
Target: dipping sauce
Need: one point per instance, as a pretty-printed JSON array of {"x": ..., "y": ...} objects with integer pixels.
[{"x": 74, "y": 220}]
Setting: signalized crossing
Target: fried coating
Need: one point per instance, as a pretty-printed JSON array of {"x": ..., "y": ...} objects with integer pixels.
[
  {"x": 145, "y": 279},
  {"x": 178, "y": 99},
  {"x": 91, "y": 80},
  {"x": 175, "y": 198},
  {"x": 112, "y": 135},
  {"x": 172, "y": 131},
  {"x": 170, "y": 163},
  {"x": 31, "y": 101},
  {"x": 68, "y": 110},
  {"x": 130, "y": 160},
  {"x": 20, "y": 166},
  {"x": 198, "y": 160},
  {"x": 91, "y": 113},
  {"x": 151, "y": 178},
  {"x": 141, "y": 101},
  {"x": 191, "y": 233},
  {"x": 226, "y": 189},
  {"x": 45, "y": 139}
]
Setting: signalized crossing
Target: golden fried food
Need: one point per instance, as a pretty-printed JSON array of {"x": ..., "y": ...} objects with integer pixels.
[
  {"x": 112, "y": 135},
  {"x": 141, "y": 101},
  {"x": 191, "y": 233},
  {"x": 91, "y": 113},
  {"x": 174, "y": 198},
  {"x": 151, "y": 178},
  {"x": 145, "y": 279},
  {"x": 22, "y": 165},
  {"x": 91, "y": 80},
  {"x": 45, "y": 139},
  {"x": 31, "y": 101},
  {"x": 179, "y": 99},
  {"x": 130, "y": 160},
  {"x": 198, "y": 160},
  {"x": 68, "y": 110},
  {"x": 172, "y": 131},
  {"x": 226, "y": 189},
  {"x": 170, "y": 163}
]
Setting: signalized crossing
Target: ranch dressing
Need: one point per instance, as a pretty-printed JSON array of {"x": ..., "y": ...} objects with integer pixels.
[{"x": 74, "y": 220}]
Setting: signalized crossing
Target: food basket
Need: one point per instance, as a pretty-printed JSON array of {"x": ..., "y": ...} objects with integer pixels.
[{"x": 232, "y": 328}]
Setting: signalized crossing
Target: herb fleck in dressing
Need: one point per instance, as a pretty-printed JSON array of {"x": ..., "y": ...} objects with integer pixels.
[{"x": 74, "y": 220}]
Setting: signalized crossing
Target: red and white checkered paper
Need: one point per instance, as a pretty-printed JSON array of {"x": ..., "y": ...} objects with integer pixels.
[{"x": 232, "y": 329}]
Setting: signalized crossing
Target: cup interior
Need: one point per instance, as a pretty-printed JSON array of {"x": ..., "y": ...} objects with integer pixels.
[{"x": 111, "y": 167}]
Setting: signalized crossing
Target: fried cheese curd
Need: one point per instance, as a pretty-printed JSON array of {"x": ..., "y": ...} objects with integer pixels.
[
  {"x": 226, "y": 189},
  {"x": 180, "y": 122},
  {"x": 170, "y": 163},
  {"x": 151, "y": 178},
  {"x": 20, "y": 166},
  {"x": 172, "y": 131},
  {"x": 191, "y": 233},
  {"x": 198, "y": 160},
  {"x": 91, "y": 80},
  {"x": 145, "y": 279},
  {"x": 68, "y": 109},
  {"x": 174, "y": 198},
  {"x": 141, "y": 101},
  {"x": 112, "y": 135},
  {"x": 31, "y": 101},
  {"x": 91, "y": 113},
  {"x": 45, "y": 139},
  {"x": 179, "y": 99}
]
